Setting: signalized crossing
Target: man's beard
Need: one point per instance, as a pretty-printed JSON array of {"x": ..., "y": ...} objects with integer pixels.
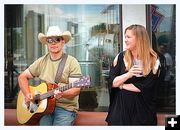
[{"x": 56, "y": 52}]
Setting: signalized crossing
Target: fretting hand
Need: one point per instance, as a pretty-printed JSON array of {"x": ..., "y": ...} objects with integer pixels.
[{"x": 58, "y": 94}]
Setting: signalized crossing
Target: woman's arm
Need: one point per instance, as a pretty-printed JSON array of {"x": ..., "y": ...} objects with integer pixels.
[
  {"x": 130, "y": 87},
  {"x": 119, "y": 80}
]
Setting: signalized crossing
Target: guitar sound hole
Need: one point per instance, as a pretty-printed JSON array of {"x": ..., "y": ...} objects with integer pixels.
[{"x": 33, "y": 107}]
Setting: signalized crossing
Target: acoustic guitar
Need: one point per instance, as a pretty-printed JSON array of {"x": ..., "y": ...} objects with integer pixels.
[{"x": 43, "y": 100}]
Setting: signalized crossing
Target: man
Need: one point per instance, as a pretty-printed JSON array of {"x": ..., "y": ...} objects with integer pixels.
[
  {"x": 169, "y": 62},
  {"x": 46, "y": 68},
  {"x": 167, "y": 79}
]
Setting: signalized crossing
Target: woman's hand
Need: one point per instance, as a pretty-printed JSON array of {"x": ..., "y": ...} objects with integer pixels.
[{"x": 135, "y": 70}]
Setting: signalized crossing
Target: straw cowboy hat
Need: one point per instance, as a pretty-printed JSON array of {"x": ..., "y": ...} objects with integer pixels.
[{"x": 54, "y": 31}]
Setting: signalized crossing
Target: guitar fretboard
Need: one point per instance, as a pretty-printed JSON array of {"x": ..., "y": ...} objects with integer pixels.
[{"x": 51, "y": 92}]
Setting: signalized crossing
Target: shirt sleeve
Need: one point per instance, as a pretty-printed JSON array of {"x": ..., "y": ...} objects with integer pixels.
[
  {"x": 114, "y": 71},
  {"x": 147, "y": 96},
  {"x": 75, "y": 69},
  {"x": 146, "y": 83}
]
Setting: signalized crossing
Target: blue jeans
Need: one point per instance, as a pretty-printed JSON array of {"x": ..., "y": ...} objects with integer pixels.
[{"x": 60, "y": 117}]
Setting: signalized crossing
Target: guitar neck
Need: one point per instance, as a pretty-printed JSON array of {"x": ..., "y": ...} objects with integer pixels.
[{"x": 51, "y": 92}]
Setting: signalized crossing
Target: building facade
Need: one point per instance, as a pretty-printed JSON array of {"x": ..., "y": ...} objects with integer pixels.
[{"x": 97, "y": 37}]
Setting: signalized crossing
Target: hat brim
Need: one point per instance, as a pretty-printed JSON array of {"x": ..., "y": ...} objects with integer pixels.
[{"x": 66, "y": 36}]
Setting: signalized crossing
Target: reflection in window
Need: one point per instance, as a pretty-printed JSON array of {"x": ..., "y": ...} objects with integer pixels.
[
  {"x": 163, "y": 27},
  {"x": 95, "y": 32}
]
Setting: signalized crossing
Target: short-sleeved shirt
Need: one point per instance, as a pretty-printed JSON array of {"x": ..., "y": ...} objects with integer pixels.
[{"x": 45, "y": 68}]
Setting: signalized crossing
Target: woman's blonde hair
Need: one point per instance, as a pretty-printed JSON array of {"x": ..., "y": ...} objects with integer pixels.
[{"x": 143, "y": 48}]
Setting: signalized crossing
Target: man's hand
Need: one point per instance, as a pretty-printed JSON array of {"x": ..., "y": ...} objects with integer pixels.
[
  {"x": 28, "y": 98},
  {"x": 58, "y": 94}
]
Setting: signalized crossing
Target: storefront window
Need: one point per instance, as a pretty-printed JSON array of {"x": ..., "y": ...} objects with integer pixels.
[
  {"x": 96, "y": 39},
  {"x": 95, "y": 42},
  {"x": 164, "y": 42}
]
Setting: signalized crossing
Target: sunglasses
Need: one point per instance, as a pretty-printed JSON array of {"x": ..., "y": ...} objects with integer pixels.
[{"x": 54, "y": 39}]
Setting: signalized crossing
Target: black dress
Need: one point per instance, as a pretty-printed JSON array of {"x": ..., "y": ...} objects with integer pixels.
[{"x": 132, "y": 108}]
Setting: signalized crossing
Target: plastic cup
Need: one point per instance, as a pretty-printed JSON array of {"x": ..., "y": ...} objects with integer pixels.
[{"x": 139, "y": 63}]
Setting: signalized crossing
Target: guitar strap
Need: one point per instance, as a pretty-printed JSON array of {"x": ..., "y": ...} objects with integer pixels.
[{"x": 60, "y": 68}]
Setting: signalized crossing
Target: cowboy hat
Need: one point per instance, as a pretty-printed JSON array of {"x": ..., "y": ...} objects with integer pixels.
[{"x": 54, "y": 31}]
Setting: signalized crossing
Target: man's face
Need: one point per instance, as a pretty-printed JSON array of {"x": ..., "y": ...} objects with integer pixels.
[
  {"x": 162, "y": 49},
  {"x": 55, "y": 44}
]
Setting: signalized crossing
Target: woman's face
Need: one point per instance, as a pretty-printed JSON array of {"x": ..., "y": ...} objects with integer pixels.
[{"x": 130, "y": 40}]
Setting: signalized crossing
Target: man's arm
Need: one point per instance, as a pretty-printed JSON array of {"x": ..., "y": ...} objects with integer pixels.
[{"x": 24, "y": 85}]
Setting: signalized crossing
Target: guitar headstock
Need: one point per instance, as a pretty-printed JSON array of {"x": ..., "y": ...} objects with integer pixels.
[{"x": 84, "y": 81}]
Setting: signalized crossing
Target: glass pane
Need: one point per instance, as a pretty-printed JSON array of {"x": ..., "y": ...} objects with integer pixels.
[
  {"x": 95, "y": 38},
  {"x": 163, "y": 26},
  {"x": 15, "y": 59}
]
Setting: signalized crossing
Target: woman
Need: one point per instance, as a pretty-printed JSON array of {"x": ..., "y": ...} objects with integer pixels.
[{"x": 132, "y": 95}]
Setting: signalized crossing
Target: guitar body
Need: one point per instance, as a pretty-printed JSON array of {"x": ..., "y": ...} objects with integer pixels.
[
  {"x": 24, "y": 116},
  {"x": 43, "y": 100}
]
